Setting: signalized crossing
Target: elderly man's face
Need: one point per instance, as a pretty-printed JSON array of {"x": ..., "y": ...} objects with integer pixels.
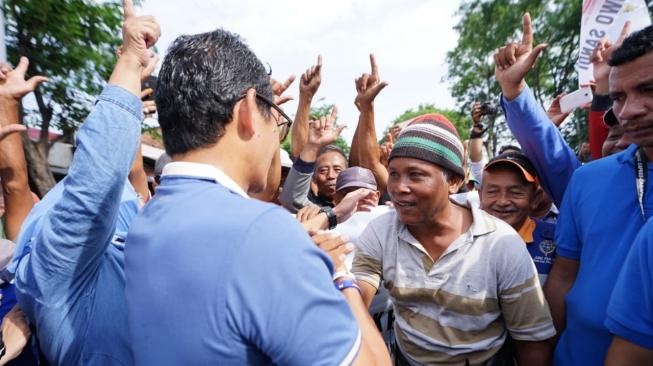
[
  {"x": 631, "y": 88},
  {"x": 507, "y": 195},
  {"x": 327, "y": 168}
]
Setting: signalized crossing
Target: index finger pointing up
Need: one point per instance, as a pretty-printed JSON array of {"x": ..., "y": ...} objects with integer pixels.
[
  {"x": 375, "y": 69},
  {"x": 128, "y": 7},
  {"x": 527, "y": 38}
]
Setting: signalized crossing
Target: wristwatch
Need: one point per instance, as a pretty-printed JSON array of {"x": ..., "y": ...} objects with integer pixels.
[{"x": 331, "y": 216}]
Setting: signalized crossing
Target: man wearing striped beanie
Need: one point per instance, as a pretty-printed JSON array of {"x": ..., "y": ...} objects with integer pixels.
[{"x": 459, "y": 279}]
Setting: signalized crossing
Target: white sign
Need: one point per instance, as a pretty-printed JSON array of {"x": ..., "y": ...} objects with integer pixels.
[{"x": 606, "y": 18}]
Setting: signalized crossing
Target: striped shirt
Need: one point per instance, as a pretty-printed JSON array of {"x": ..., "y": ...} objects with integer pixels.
[{"x": 460, "y": 307}]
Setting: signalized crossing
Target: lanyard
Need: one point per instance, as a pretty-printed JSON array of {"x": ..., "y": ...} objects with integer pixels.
[{"x": 641, "y": 172}]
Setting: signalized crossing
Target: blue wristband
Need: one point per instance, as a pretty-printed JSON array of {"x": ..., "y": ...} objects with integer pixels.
[{"x": 344, "y": 283}]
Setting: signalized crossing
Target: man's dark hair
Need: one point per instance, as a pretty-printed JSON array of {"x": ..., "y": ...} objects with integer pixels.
[
  {"x": 505, "y": 148},
  {"x": 333, "y": 148},
  {"x": 634, "y": 46},
  {"x": 201, "y": 79}
]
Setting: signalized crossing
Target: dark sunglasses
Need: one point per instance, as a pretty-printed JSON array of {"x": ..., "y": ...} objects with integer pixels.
[{"x": 283, "y": 121}]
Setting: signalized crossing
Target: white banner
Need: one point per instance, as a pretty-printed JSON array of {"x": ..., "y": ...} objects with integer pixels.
[{"x": 606, "y": 18}]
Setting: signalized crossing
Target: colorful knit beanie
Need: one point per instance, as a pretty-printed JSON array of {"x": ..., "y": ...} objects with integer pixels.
[{"x": 431, "y": 137}]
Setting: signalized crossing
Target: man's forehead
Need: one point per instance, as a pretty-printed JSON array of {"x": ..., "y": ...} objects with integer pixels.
[
  {"x": 331, "y": 158},
  {"x": 504, "y": 175},
  {"x": 630, "y": 74}
]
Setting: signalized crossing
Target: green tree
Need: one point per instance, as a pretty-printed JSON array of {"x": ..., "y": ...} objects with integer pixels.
[
  {"x": 461, "y": 121},
  {"x": 486, "y": 25},
  {"x": 317, "y": 112},
  {"x": 73, "y": 43}
]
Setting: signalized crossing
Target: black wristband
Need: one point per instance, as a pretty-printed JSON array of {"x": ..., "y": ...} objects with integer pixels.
[{"x": 331, "y": 216}]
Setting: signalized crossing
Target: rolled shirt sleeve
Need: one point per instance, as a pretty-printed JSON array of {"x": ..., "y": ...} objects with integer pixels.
[
  {"x": 368, "y": 258},
  {"x": 523, "y": 306}
]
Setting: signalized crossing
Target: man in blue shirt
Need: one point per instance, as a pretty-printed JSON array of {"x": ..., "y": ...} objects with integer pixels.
[
  {"x": 69, "y": 264},
  {"x": 212, "y": 276},
  {"x": 600, "y": 213},
  {"x": 630, "y": 312}
]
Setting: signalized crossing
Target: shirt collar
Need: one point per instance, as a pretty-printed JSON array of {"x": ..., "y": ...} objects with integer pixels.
[
  {"x": 527, "y": 229},
  {"x": 482, "y": 222},
  {"x": 627, "y": 155},
  {"x": 186, "y": 168}
]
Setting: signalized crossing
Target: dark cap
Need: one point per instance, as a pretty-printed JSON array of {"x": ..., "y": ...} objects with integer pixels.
[
  {"x": 356, "y": 177},
  {"x": 610, "y": 119},
  {"x": 160, "y": 163},
  {"x": 519, "y": 160}
]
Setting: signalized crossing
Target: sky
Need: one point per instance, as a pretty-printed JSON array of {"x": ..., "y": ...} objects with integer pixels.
[{"x": 409, "y": 38}]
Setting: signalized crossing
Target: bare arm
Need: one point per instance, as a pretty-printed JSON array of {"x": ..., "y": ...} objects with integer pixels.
[
  {"x": 625, "y": 353},
  {"x": 13, "y": 167},
  {"x": 476, "y": 139},
  {"x": 533, "y": 353},
  {"x": 365, "y": 146},
  {"x": 137, "y": 176},
  {"x": 560, "y": 280},
  {"x": 308, "y": 86}
]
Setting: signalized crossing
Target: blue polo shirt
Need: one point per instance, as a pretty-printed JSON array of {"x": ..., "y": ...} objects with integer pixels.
[
  {"x": 630, "y": 312},
  {"x": 214, "y": 278},
  {"x": 599, "y": 219}
]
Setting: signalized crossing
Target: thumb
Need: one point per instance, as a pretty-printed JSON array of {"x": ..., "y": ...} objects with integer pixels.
[
  {"x": 22, "y": 65},
  {"x": 35, "y": 81},
  {"x": 13, "y": 128},
  {"x": 375, "y": 90},
  {"x": 536, "y": 53},
  {"x": 339, "y": 129}
]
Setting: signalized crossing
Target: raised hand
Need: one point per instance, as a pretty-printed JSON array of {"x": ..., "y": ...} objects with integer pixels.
[
  {"x": 323, "y": 131},
  {"x": 477, "y": 114},
  {"x": 555, "y": 113},
  {"x": 13, "y": 84},
  {"x": 311, "y": 80},
  {"x": 368, "y": 86},
  {"x": 600, "y": 56},
  {"x": 514, "y": 60},
  {"x": 8, "y": 129},
  {"x": 278, "y": 89},
  {"x": 147, "y": 70},
  {"x": 139, "y": 33}
]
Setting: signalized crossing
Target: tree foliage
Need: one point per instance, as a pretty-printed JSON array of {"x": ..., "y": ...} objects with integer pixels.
[
  {"x": 461, "y": 121},
  {"x": 317, "y": 112},
  {"x": 73, "y": 43},
  {"x": 485, "y": 25}
]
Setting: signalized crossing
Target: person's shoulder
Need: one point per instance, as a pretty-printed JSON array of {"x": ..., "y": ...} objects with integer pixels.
[
  {"x": 499, "y": 233},
  {"x": 384, "y": 220},
  {"x": 606, "y": 165}
]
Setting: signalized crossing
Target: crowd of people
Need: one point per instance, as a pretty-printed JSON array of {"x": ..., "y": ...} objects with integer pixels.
[{"x": 415, "y": 251}]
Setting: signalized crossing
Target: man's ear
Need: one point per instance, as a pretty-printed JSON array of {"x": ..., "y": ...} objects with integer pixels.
[
  {"x": 538, "y": 195},
  {"x": 454, "y": 184},
  {"x": 244, "y": 112}
]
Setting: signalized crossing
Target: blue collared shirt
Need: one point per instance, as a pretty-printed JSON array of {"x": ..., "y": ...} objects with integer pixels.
[
  {"x": 215, "y": 278},
  {"x": 69, "y": 277},
  {"x": 599, "y": 219}
]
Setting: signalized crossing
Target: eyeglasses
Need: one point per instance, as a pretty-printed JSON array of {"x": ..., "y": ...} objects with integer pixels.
[{"x": 283, "y": 121}]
